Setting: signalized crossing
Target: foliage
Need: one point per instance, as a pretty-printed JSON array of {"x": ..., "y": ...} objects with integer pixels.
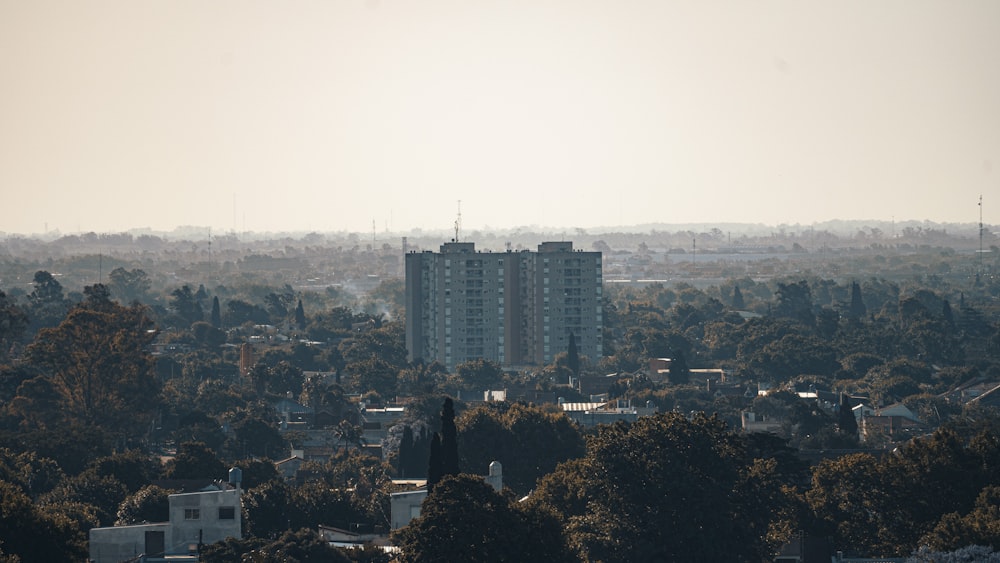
[
  {"x": 301, "y": 546},
  {"x": 194, "y": 460},
  {"x": 99, "y": 367},
  {"x": 464, "y": 519},
  {"x": 529, "y": 442},
  {"x": 148, "y": 504},
  {"x": 690, "y": 477}
]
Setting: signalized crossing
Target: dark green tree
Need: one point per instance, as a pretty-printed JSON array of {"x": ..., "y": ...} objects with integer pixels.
[
  {"x": 463, "y": 518},
  {"x": 528, "y": 441},
  {"x": 186, "y": 305},
  {"x": 795, "y": 302},
  {"x": 13, "y": 322},
  {"x": 679, "y": 373},
  {"x": 845, "y": 418},
  {"x": 100, "y": 367},
  {"x": 573, "y": 356},
  {"x": 664, "y": 468},
  {"x": 46, "y": 303},
  {"x": 129, "y": 286},
  {"x": 300, "y": 316},
  {"x": 301, "y": 546},
  {"x": 435, "y": 467},
  {"x": 194, "y": 460},
  {"x": 857, "y": 308},
  {"x": 216, "y": 318},
  {"x": 738, "y": 302},
  {"x": 449, "y": 439},
  {"x": 148, "y": 504}
]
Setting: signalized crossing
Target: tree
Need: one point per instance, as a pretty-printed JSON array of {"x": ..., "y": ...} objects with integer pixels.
[
  {"x": 46, "y": 303},
  {"x": 845, "y": 419},
  {"x": 573, "y": 356},
  {"x": 435, "y": 469},
  {"x": 738, "y": 302},
  {"x": 667, "y": 488},
  {"x": 349, "y": 434},
  {"x": 679, "y": 373},
  {"x": 300, "y": 316},
  {"x": 194, "y": 460},
  {"x": 148, "y": 504},
  {"x": 129, "y": 286},
  {"x": 857, "y": 309},
  {"x": 302, "y": 546},
  {"x": 99, "y": 365},
  {"x": 186, "y": 305},
  {"x": 479, "y": 374},
  {"x": 13, "y": 322},
  {"x": 216, "y": 318},
  {"x": 464, "y": 519},
  {"x": 207, "y": 335},
  {"x": 449, "y": 439},
  {"x": 795, "y": 302},
  {"x": 528, "y": 441},
  {"x": 981, "y": 526}
]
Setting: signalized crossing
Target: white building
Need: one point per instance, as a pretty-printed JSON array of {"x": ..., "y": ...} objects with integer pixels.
[{"x": 203, "y": 517}]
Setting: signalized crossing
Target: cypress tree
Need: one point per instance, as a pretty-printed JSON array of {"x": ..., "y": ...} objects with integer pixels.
[
  {"x": 300, "y": 316},
  {"x": 738, "y": 298},
  {"x": 216, "y": 313},
  {"x": 449, "y": 439},
  {"x": 679, "y": 373},
  {"x": 573, "y": 356},
  {"x": 858, "y": 308},
  {"x": 848, "y": 424},
  {"x": 405, "y": 452},
  {"x": 434, "y": 468}
]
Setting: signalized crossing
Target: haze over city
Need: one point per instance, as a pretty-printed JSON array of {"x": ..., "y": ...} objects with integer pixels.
[{"x": 341, "y": 116}]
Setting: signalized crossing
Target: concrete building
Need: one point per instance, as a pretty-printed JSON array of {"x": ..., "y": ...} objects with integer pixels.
[
  {"x": 513, "y": 308},
  {"x": 202, "y": 517}
]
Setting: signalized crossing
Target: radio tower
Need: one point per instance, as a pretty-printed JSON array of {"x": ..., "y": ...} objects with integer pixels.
[
  {"x": 980, "y": 236},
  {"x": 458, "y": 220}
]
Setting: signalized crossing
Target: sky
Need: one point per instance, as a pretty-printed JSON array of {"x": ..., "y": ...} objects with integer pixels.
[{"x": 395, "y": 115}]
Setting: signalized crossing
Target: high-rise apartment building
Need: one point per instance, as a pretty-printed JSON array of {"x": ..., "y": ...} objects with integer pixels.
[{"x": 514, "y": 308}]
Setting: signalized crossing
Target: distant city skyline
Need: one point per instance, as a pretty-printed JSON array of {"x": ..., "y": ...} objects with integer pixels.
[{"x": 382, "y": 115}]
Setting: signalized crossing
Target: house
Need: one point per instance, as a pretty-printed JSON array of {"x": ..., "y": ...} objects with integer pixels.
[
  {"x": 202, "y": 517},
  {"x": 889, "y": 421},
  {"x": 594, "y": 413},
  {"x": 375, "y": 422},
  {"x": 288, "y": 468},
  {"x": 405, "y": 506},
  {"x": 756, "y": 423}
]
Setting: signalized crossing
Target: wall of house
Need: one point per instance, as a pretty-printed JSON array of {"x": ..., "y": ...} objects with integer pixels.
[
  {"x": 209, "y": 525},
  {"x": 119, "y": 543}
]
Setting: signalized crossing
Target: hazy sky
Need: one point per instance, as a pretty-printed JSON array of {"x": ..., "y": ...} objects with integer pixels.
[{"x": 333, "y": 115}]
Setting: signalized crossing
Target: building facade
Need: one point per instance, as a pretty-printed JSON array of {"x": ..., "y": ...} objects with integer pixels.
[
  {"x": 198, "y": 518},
  {"x": 513, "y": 308}
]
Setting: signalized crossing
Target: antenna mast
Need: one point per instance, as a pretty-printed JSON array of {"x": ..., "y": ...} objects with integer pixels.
[
  {"x": 980, "y": 233},
  {"x": 458, "y": 220}
]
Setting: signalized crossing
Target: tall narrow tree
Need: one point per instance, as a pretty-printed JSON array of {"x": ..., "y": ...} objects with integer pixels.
[
  {"x": 845, "y": 419},
  {"x": 449, "y": 439},
  {"x": 434, "y": 468},
  {"x": 573, "y": 356},
  {"x": 300, "y": 316},
  {"x": 738, "y": 303},
  {"x": 216, "y": 313},
  {"x": 857, "y": 308}
]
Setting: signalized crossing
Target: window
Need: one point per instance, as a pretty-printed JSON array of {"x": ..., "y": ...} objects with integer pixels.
[
  {"x": 227, "y": 513},
  {"x": 192, "y": 514}
]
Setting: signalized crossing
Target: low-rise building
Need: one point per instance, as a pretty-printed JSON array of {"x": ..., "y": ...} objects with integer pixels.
[{"x": 198, "y": 518}]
